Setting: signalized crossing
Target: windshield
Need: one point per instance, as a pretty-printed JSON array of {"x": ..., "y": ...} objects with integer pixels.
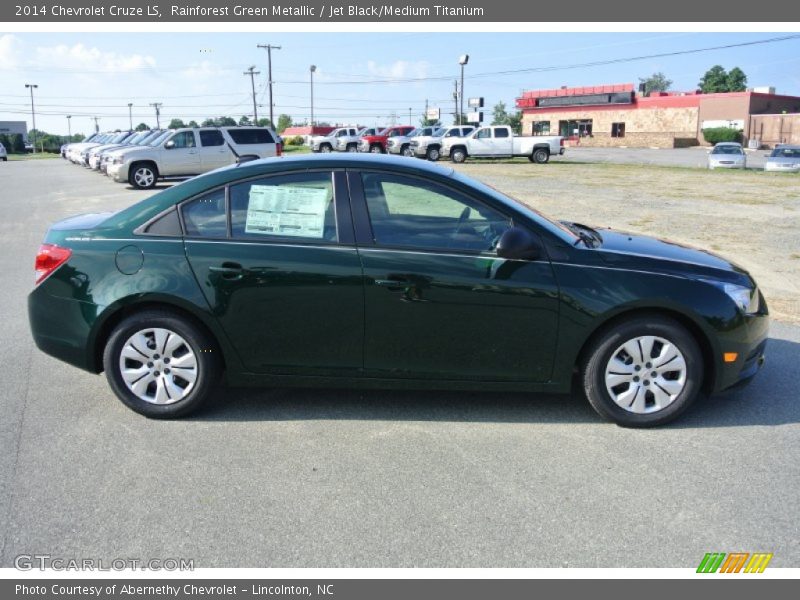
[
  {"x": 396, "y": 133},
  {"x": 438, "y": 132},
  {"x": 413, "y": 133},
  {"x": 158, "y": 139},
  {"x": 118, "y": 138},
  {"x": 727, "y": 150},
  {"x": 558, "y": 229},
  {"x": 136, "y": 138},
  {"x": 785, "y": 153}
]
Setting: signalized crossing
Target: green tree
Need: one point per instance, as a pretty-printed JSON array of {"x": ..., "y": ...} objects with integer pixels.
[
  {"x": 142, "y": 127},
  {"x": 514, "y": 120},
  {"x": 657, "y": 82},
  {"x": 499, "y": 114},
  {"x": 176, "y": 124},
  {"x": 717, "y": 80},
  {"x": 244, "y": 120},
  {"x": 426, "y": 122},
  {"x": 264, "y": 122},
  {"x": 209, "y": 123},
  {"x": 226, "y": 122},
  {"x": 284, "y": 122},
  {"x": 192, "y": 123},
  {"x": 737, "y": 80}
]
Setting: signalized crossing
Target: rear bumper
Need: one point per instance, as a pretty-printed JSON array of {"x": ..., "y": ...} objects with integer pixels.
[{"x": 61, "y": 327}]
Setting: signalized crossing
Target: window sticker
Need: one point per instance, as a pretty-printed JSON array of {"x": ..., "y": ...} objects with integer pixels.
[{"x": 287, "y": 211}]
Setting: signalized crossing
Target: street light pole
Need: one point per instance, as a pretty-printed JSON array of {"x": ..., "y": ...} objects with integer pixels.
[
  {"x": 462, "y": 60},
  {"x": 69, "y": 128},
  {"x": 311, "y": 69},
  {"x": 31, "y": 87},
  {"x": 130, "y": 114},
  {"x": 252, "y": 72},
  {"x": 269, "y": 48}
]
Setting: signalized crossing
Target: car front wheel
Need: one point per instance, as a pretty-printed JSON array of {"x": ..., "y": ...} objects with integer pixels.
[
  {"x": 433, "y": 154},
  {"x": 160, "y": 364},
  {"x": 458, "y": 155},
  {"x": 643, "y": 372},
  {"x": 143, "y": 176}
]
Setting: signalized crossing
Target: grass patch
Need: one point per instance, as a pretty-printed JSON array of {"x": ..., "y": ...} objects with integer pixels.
[
  {"x": 296, "y": 149},
  {"x": 37, "y": 156}
]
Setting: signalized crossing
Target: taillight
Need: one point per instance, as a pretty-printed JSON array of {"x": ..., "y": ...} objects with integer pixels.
[
  {"x": 561, "y": 141},
  {"x": 278, "y": 149},
  {"x": 48, "y": 259}
]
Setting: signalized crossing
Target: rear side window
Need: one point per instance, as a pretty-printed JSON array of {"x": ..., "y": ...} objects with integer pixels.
[
  {"x": 300, "y": 207},
  {"x": 501, "y": 133},
  {"x": 251, "y": 136},
  {"x": 205, "y": 216},
  {"x": 211, "y": 137}
]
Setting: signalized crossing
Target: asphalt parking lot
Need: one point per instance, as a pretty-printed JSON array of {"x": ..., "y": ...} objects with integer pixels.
[
  {"x": 316, "y": 478},
  {"x": 666, "y": 157}
]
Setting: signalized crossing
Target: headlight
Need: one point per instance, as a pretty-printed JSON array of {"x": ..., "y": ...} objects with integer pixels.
[{"x": 747, "y": 299}]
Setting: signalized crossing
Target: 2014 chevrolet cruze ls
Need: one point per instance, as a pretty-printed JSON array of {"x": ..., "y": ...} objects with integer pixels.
[{"x": 381, "y": 272}]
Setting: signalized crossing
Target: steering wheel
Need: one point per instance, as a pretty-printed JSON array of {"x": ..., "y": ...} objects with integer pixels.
[{"x": 462, "y": 218}]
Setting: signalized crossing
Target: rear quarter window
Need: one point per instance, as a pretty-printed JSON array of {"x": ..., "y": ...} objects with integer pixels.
[{"x": 251, "y": 136}]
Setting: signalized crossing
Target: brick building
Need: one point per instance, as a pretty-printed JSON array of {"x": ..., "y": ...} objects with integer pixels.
[{"x": 616, "y": 115}]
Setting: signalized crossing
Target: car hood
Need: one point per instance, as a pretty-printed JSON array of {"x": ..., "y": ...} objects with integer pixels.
[
  {"x": 784, "y": 160},
  {"x": 649, "y": 253},
  {"x": 318, "y": 138},
  {"x": 125, "y": 153}
]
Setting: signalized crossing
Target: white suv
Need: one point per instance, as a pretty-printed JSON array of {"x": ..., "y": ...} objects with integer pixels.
[
  {"x": 191, "y": 151},
  {"x": 3, "y": 153}
]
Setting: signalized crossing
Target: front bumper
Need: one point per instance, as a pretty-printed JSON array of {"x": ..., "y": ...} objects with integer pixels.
[
  {"x": 780, "y": 168},
  {"x": 749, "y": 342},
  {"x": 119, "y": 172},
  {"x": 727, "y": 165}
]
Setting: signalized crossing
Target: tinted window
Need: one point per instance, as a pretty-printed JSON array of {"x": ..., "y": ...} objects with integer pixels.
[
  {"x": 501, "y": 133},
  {"x": 419, "y": 214},
  {"x": 205, "y": 216},
  {"x": 211, "y": 137},
  {"x": 467, "y": 130},
  {"x": 167, "y": 224},
  {"x": 184, "y": 139},
  {"x": 288, "y": 206},
  {"x": 251, "y": 136}
]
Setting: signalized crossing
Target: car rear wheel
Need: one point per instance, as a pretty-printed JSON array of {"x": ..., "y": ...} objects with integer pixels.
[
  {"x": 406, "y": 151},
  {"x": 643, "y": 372},
  {"x": 458, "y": 155},
  {"x": 376, "y": 149},
  {"x": 540, "y": 156},
  {"x": 432, "y": 154},
  {"x": 325, "y": 148},
  {"x": 352, "y": 148},
  {"x": 160, "y": 364},
  {"x": 143, "y": 176}
]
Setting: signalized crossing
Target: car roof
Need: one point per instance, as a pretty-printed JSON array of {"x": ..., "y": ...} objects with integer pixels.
[
  {"x": 347, "y": 159},
  {"x": 727, "y": 144},
  {"x": 787, "y": 147}
]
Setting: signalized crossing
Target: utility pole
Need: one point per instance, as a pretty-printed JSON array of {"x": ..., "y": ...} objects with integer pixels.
[
  {"x": 31, "y": 87},
  {"x": 96, "y": 124},
  {"x": 252, "y": 72},
  {"x": 410, "y": 118},
  {"x": 130, "y": 114},
  {"x": 157, "y": 106},
  {"x": 425, "y": 116},
  {"x": 311, "y": 70},
  {"x": 463, "y": 60},
  {"x": 69, "y": 127},
  {"x": 269, "y": 48}
]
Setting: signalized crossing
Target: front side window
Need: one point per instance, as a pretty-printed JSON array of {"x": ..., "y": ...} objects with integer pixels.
[
  {"x": 300, "y": 207},
  {"x": 413, "y": 213},
  {"x": 483, "y": 134},
  {"x": 184, "y": 139},
  {"x": 205, "y": 217}
]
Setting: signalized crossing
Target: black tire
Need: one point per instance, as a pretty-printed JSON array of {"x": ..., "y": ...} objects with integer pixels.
[
  {"x": 406, "y": 151},
  {"x": 326, "y": 148},
  {"x": 138, "y": 178},
  {"x": 5, "y": 159},
  {"x": 458, "y": 155},
  {"x": 376, "y": 149},
  {"x": 352, "y": 147},
  {"x": 433, "y": 154},
  {"x": 540, "y": 156},
  {"x": 201, "y": 344},
  {"x": 605, "y": 346}
]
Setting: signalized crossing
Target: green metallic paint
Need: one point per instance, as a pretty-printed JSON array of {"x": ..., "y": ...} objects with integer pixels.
[{"x": 458, "y": 322}]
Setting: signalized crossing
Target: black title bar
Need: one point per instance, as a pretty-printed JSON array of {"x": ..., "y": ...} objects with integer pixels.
[{"x": 439, "y": 11}]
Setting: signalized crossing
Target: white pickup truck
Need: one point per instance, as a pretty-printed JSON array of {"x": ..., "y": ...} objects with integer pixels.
[
  {"x": 344, "y": 139},
  {"x": 499, "y": 141}
]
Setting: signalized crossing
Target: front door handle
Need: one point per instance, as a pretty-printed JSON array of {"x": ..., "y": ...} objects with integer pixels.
[{"x": 393, "y": 284}]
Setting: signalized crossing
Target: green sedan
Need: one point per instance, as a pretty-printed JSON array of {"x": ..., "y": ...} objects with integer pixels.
[{"x": 372, "y": 271}]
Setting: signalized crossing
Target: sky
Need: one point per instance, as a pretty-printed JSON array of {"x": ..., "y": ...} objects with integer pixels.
[{"x": 361, "y": 78}]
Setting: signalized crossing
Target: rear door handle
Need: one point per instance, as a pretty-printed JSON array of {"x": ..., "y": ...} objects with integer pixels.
[
  {"x": 228, "y": 270},
  {"x": 393, "y": 284}
]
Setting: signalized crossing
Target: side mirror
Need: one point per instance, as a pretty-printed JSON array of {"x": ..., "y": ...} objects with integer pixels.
[
  {"x": 170, "y": 145},
  {"x": 519, "y": 244}
]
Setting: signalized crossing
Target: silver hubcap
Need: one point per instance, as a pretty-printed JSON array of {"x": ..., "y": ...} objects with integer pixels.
[
  {"x": 144, "y": 177},
  {"x": 375, "y": 150},
  {"x": 158, "y": 366},
  {"x": 433, "y": 155},
  {"x": 326, "y": 148},
  {"x": 645, "y": 374}
]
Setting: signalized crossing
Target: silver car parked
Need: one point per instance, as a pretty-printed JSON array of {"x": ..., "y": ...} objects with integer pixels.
[
  {"x": 727, "y": 155},
  {"x": 785, "y": 159}
]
